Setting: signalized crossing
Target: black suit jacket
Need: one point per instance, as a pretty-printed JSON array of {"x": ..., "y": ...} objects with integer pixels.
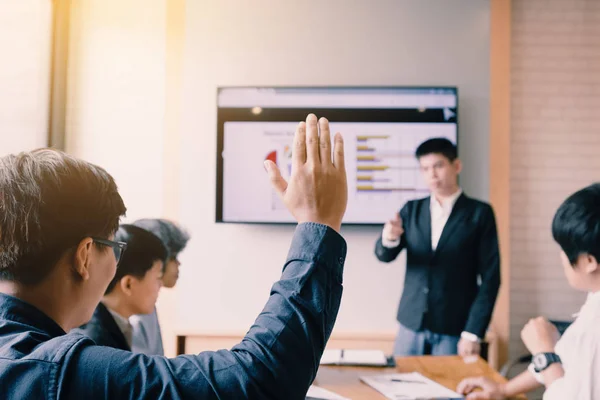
[
  {"x": 103, "y": 330},
  {"x": 441, "y": 291}
]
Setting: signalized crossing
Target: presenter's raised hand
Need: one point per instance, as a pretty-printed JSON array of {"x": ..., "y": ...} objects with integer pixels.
[
  {"x": 317, "y": 190},
  {"x": 393, "y": 229}
]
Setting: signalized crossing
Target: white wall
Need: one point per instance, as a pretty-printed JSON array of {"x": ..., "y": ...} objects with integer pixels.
[
  {"x": 228, "y": 269},
  {"x": 116, "y": 95},
  {"x": 25, "y": 45}
]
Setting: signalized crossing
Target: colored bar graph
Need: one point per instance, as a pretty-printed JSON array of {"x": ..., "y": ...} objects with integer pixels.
[
  {"x": 372, "y": 167},
  {"x": 360, "y": 148},
  {"x": 364, "y": 138},
  {"x": 374, "y": 189},
  {"x": 384, "y": 166},
  {"x": 366, "y": 178},
  {"x": 366, "y": 158}
]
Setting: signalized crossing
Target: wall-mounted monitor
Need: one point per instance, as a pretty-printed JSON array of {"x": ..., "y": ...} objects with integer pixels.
[{"x": 382, "y": 127}]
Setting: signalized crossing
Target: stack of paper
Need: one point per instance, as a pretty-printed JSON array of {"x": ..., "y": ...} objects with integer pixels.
[
  {"x": 374, "y": 358},
  {"x": 408, "y": 386},
  {"x": 318, "y": 393}
]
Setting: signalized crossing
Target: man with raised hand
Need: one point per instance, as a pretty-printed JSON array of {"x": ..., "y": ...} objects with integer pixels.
[{"x": 59, "y": 215}]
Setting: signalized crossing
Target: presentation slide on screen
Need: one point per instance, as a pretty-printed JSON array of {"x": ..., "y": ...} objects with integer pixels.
[{"x": 383, "y": 173}]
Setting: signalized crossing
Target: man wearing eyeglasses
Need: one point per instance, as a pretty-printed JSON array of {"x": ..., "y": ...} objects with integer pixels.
[
  {"x": 133, "y": 290},
  {"x": 53, "y": 274}
]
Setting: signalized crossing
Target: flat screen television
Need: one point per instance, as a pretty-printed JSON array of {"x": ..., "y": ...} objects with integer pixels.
[{"x": 382, "y": 127}]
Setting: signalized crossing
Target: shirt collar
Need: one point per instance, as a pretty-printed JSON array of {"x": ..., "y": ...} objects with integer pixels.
[
  {"x": 17, "y": 310},
  {"x": 593, "y": 298},
  {"x": 122, "y": 322},
  {"x": 446, "y": 204}
]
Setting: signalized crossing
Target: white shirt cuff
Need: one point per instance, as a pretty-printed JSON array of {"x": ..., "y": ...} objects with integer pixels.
[
  {"x": 390, "y": 244},
  {"x": 471, "y": 337},
  {"x": 538, "y": 377}
]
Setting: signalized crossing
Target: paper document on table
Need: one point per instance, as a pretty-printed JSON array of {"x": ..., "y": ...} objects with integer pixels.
[
  {"x": 354, "y": 357},
  {"x": 318, "y": 393},
  {"x": 409, "y": 386}
]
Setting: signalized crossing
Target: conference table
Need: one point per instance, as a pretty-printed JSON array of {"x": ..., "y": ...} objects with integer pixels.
[{"x": 447, "y": 371}]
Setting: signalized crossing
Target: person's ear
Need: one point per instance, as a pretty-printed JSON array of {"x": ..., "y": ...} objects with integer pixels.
[
  {"x": 82, "y": 258},
  {"x": 126, "y": 283},
  {"x": 457, "y": 165},
  {"x": 589, "y": 263}
]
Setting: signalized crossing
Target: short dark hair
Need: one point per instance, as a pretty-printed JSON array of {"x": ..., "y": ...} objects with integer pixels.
[
  {"x": 143, "y": 249},
  {"x": 576, "y": 224},
  {"x": 172, "y": 235},
  {"x": 441, "y": 146},
  {"x": 49, "y": 202}
]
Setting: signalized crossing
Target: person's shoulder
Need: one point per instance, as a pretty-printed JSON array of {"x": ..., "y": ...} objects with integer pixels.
[
  {"x": 43, "y": 357},
  {"x": 581, "y": 334},
  {"x": 147, "y": 321},
  {"x": 97, "y": 327},
  {"x": 474, "y": 200},
  {"x": 478, "y": 204},
  {"x": 419, "y": 200},
  {"x": 57, "y": 349},
  {"x": 411, "y": 204},
  {"x": 412, "y": 207},
  {"x": 99, "y": 318},
  {"x": 96, "y": 371}
]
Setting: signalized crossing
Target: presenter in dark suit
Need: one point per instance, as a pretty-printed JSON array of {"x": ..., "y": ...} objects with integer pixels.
[{"x": 453, "y": 264}]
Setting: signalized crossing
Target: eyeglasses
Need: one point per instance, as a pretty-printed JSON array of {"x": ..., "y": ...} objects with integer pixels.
[{"x": 118, "y": 247}]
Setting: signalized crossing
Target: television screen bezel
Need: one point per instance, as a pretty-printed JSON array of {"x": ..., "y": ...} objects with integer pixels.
[{"x": 220, "y": 143}]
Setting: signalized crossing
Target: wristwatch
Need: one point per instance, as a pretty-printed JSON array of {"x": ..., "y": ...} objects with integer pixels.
[{"x": 541, "y": 361}]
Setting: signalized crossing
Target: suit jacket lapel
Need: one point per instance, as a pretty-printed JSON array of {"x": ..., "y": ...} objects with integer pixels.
[
  {"x": 111, "y": 326},
  {"x": 457, "y": 215},
  {"x": 425, "y": 222}
]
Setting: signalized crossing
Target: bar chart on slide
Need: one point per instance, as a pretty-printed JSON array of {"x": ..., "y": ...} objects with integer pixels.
[{"x": 385, "y": 165}]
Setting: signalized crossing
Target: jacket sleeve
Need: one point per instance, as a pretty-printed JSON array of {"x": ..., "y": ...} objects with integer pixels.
[
  {"x": 277, "y": 359},
  {"x": 488, "y": 267}
]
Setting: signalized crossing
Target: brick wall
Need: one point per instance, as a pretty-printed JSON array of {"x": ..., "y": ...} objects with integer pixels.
[{"x": 555, "y": 145}]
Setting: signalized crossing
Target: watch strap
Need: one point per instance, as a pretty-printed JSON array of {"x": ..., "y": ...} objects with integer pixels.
[{"x": 551, "y": 358}]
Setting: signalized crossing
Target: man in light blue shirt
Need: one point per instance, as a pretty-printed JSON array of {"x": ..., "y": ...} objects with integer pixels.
[{"x": 147, "y": 337}]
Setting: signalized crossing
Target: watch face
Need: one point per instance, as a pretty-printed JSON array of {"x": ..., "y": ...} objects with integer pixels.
[{"x": 540, "y": 361}]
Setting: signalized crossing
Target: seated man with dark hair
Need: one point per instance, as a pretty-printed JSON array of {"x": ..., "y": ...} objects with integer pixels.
[
  {"x": 147, "y": 337},
  {"x": 57, "y": 223},
  {"x": 133, "y": 290},
  {"x": 569, "y": 367}
]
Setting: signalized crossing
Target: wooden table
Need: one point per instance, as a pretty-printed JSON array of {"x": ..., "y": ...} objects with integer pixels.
[{"x": 448, "y": 371}]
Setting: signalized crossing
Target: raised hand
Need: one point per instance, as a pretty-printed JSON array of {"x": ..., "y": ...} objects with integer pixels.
[
  {"x": 317, "y": 190},
  {"x": 392, "y": 230}
]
